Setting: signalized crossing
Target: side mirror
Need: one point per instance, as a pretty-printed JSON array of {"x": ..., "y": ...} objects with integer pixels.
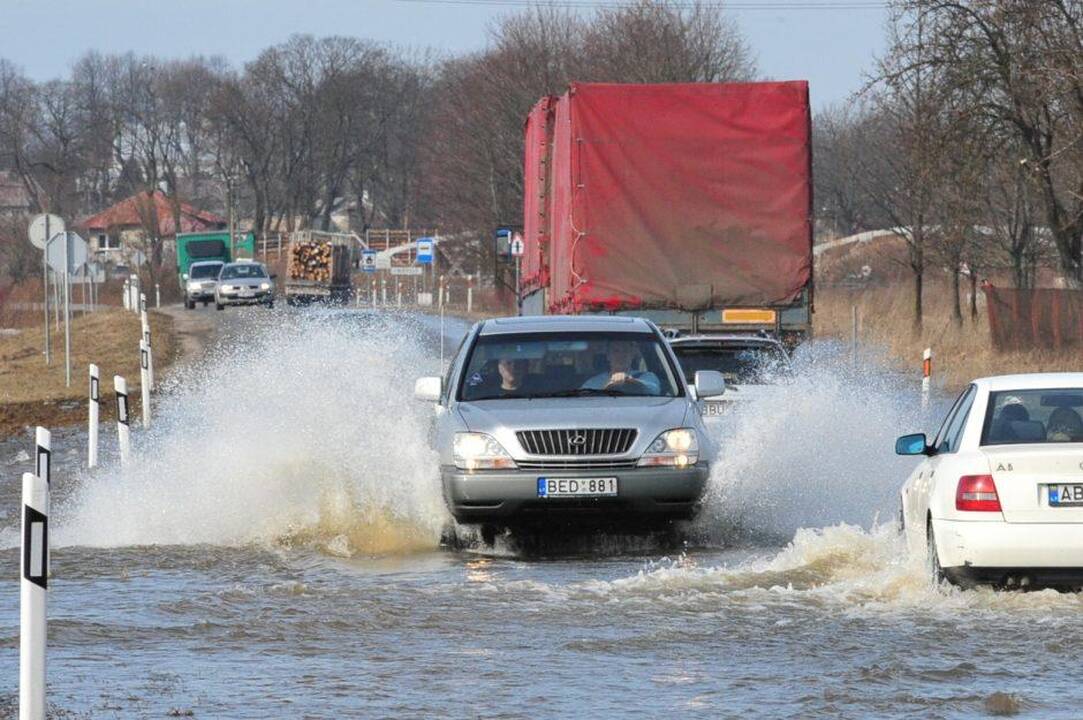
[
  {"x": 274, "y": 275},
  {"x": 429, "y": 389},
  {"x": 915, "y": 444},
  {"x": 709, "y": 383}
]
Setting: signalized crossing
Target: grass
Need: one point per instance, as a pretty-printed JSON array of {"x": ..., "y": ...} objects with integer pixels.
[
  {"x": 33, "y": 393},
  {"x": 960, "y": 352}
]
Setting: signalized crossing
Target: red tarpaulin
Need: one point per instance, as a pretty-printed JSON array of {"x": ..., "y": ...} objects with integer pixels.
[
  {"x": 679, "y": 196},
  {"x": 1028, "y": 319},
  {"x": 538, "y": 140}
]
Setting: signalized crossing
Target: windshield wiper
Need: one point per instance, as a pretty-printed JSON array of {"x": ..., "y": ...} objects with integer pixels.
[{"x": 582, "y": 392}]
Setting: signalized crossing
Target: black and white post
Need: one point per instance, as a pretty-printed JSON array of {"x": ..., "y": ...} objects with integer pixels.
[
  {"x": 146, "y": 338},
  {"x": 43, "y": 454},
  {"x": 124, "y": 433},
  {"x": 144, "y": 380},
  {"x": 92, "y": 418},
  {"x": 33, "y": 595}
]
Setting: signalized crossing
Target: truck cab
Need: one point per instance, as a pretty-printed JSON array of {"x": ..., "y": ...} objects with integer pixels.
[{"x": 210, "y": 247}]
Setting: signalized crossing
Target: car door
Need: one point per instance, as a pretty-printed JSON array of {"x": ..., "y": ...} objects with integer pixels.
[
  {"x": 920, "y": 483},
  {"x": 945, "y": 446}
]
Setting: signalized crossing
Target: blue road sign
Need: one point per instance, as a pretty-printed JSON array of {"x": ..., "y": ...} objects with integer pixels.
[
  {"x": 368, "y": 261},
  {"x": 424, "y": 250}
]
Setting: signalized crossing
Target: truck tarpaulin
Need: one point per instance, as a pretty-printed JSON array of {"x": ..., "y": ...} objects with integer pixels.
[
  {"x": 538, "y": 138},
  {"x": 684, "y": 196}
]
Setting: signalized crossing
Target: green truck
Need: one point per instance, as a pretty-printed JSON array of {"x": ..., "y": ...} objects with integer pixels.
[{"x": 208, "y": 246}]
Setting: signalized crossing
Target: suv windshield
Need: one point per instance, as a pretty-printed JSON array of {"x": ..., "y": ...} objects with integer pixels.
[
  {"x": 247, "y": 270},
  {"x": 750, "y": 364},
  {"x": 197, "y": 272},
  {"x": 541, "y": 365},
  {"x": 1033, "y": 416}
]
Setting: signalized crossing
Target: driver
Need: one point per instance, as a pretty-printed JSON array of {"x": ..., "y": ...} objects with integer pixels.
[{"x": 623, "y": 356}]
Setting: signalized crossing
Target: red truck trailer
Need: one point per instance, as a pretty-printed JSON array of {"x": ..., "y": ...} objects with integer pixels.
[{"x": 687, "y": 203}]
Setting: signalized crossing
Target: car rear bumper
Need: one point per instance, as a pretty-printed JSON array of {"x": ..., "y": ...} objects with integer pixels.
[
  {"x": 648, "y": 494},
  {"x": 987, "y": 551}
]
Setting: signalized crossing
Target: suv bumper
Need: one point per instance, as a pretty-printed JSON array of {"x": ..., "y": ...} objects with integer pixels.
[{"x": 647, "y": 494}]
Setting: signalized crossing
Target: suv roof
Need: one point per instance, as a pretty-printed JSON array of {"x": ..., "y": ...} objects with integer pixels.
[{"x": 565, "y": 323}]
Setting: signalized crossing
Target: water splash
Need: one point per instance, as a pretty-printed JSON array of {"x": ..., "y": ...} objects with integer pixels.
[{"x": 298, "y": 428}]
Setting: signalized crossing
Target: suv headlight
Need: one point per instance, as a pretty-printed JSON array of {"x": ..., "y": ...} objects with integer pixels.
[
  {"x": 478, "y": 451},
  {"x": 673, "y": 448},
  {"x": 225, "y": 288},
  {"x": 195, "y": 286}
]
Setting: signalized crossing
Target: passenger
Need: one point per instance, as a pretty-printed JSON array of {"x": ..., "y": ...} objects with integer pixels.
[
  {"x": 622, "y": 357},
  {"x": 513, "y": 375},
  {"x": 1064, "y": 425},
  {"x": 1002, "y": 430}
]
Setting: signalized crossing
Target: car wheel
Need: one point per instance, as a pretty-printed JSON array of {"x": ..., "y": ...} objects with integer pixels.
[
  {"x": 488, "y": 534},
  {"x": 190, "y": 304},
  {"x": 219, "y": 306},
  {"x": 936, "y": 572}
]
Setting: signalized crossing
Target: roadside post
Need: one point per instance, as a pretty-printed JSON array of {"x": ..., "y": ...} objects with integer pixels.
[
  {"x": 43, "y": 227},
  {"x": 33, "y": 597},
  {"x": 146, "y": 338},
  {"x": 383, "y": 291},
  {"x": 126, "y": 297},
  {"x": 398, "y": 293},
  {"x": 853, "y": 335},
  {"x": 157, "y": 296},
  {"x": 92, "y": 418},
  {"x": 372, "y": 293},
  {"x": 926, "y": 376},
  {"x": 144, "y": 381},
  {"x": 124, "y": 436},
  {"x": 440, "y": 289},
  {"x": 469, "y": 294},
  {"x": 43, "y": 454},
  {"x": 517, "y": 247}
]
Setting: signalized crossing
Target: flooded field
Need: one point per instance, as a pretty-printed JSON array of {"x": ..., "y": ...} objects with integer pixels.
[{"x": 273, "y": 551}]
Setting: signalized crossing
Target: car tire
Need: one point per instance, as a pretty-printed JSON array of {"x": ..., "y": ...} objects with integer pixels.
[
  {"x": 488, "y": 534},
  {"x": 936, "y": 572},
  {"x": 190, "y": 304},
  {"x": 219, "y": 306}
]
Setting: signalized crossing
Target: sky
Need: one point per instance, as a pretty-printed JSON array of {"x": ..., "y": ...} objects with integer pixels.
[{"x": 829, "y": 43}]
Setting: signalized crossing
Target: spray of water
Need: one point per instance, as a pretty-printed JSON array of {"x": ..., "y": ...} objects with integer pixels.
[{"x": 296, "y": 429}]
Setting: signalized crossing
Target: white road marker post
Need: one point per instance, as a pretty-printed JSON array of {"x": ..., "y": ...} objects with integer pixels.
[
  {"x": 150, "y": 352},
  {"x": 157, "y": 296},
  {"x": 33, "y": 596},
  {"x": 926, "y": 376},
  {"x": 92, "y": 419},
  {"x": 469, "y": 294},
  {"x": 43, "y": 454},
  {"x": 126, "y": 297},
  {"x": 124, "y": 432},
  {"x": 398, "y": 293},
  {"x": 144, "y": 380}
]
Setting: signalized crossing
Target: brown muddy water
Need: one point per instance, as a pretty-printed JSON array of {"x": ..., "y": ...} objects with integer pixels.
[{"x": 273, "y": 551}]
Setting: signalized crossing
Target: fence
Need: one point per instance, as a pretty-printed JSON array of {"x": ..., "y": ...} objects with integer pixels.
[{"x": 1028, "y": 319}]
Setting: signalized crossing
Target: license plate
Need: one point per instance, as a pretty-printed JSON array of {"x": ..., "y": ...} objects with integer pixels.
[
  {"x": 713, "y": 409},
  {"x": 577, "y": 487},
  {"x": 247, "y": 293},
  {"x": 1062, "y": 495}
]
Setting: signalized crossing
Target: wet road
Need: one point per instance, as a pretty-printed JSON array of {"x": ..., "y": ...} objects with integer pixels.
[{"x": 273, "y": 552}]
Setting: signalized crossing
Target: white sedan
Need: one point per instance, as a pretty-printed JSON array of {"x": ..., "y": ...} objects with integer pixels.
[{"x": 998, "y": 496}]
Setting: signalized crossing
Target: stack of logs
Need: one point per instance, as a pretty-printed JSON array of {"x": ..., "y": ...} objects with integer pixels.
[{"x": 310, "y": 261}]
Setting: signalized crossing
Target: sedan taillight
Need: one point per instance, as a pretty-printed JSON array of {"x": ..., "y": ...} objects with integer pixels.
[{"x": 977, "y": 493}]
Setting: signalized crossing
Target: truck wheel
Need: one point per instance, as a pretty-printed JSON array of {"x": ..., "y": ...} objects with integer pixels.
[
  {"x": 190, "y": 304},
  {"x": 219, "y": 306}
]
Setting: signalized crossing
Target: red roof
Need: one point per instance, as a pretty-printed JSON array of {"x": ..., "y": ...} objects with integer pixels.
[{"x": 131, "y": 212}]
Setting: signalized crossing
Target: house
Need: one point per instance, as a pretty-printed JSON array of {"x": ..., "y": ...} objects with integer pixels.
[
  {"x": 118, "y": 235},
  {"x": 15, "y": 200}
]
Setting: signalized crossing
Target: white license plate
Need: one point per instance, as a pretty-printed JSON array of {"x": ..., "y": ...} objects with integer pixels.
[
  {"x": 577, "y": 487},
  {"x": 1062, "y": 495},
  {"x": 713, "y": 409},
  {"x": 247, "y": 293}
]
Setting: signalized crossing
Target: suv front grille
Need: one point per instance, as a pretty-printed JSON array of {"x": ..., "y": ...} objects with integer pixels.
[
  {"x": 593, "y": 441},
  {"x": 552, "y": 465}
]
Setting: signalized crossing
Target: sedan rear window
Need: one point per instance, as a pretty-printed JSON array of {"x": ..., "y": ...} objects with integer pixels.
[{"x": 1033, "y": 417}]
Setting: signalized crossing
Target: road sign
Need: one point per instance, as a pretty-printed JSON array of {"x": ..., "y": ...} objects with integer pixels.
[
  {"x": 76, "y": 252},
  {"x": 383, "y": 261},
  {"x": 408, "y": 270},
  {"x": 368, "y": 260},
  {"x": 424, "y": 251},
  {"x": 517, "y": 245},
  {"x": 43, "y": 227}
]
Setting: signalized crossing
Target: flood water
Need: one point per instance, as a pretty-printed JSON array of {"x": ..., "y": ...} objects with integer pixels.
[{"x": 273, "y": 551}]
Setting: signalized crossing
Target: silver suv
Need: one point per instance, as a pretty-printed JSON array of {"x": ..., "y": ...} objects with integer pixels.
[{"x": 573, "y": 417}]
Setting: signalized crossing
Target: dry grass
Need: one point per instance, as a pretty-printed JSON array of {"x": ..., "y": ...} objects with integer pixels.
[
  {"x": 960, "y": 353},
  {"x": 32, "y": 392}
]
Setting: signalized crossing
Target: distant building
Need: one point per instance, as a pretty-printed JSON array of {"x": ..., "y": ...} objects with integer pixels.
[
  {"x": 14, "y": 198},
  {"x": 118, "y": 234}
]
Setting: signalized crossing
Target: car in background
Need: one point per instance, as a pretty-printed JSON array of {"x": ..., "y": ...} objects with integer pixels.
[
  {"x": 748, "y": 363},
  {"x": 200, "y": 281},
  {"x": 244, "y": 283},
  {"x": 569, "y": 419},
  {"x": 997, "y": 498}
]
